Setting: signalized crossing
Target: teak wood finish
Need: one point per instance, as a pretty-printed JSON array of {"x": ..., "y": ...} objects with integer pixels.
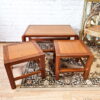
[
  {"x": 48, "y": 31},
  {"x": 22, "y": 52},
  {"x": 72, "y": 48}
]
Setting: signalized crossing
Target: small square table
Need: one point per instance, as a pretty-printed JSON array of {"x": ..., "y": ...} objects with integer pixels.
[
  {"x": 73, "y": 49},
  {"x": 22, "y": 52}
]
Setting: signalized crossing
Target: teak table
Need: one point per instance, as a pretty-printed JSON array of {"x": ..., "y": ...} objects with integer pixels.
[
  {"x": 75, "y": 49},
  {"x": 23, "y": 52},
  {"x": 48, "y": 31}
]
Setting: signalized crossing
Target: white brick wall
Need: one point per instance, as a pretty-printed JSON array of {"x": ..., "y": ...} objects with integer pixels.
[{"x": 16, "y": 15}]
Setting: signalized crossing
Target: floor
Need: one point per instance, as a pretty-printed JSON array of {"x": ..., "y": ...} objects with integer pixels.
[{"x": 6, "y": 93}]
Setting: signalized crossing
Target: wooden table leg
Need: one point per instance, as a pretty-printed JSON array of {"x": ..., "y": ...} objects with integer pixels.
[
  {"x": 23, "y": 38},
  {"x": 10, "y": 76},
  {"x": 42, "y": 65},
  {"x": 54, "y": 56},
  {"x": 57, "y": 67},
  {"x": 88, "y": 66},
  {"x": 30, "y": 39}
]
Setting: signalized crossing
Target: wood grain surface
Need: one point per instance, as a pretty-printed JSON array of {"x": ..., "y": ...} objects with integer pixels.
[
  {"x": 21, "y": 51},
  {"x": 70, "y": 47},
  {"x": 49, "y": 30}
]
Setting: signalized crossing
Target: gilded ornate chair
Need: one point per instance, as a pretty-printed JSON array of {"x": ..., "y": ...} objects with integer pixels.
[{"x": 92, "y": 26}]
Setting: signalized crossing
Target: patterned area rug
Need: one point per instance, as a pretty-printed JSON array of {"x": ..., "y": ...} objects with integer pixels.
[{"x": 67, "y": 80}]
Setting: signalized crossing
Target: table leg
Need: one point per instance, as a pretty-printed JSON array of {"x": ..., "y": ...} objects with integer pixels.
[
  {"x": 10, "y": 76},
  {"x": 54, "y": 56},
  {"x": 30, "y": 39},
  {"x": 42, "y": 65},
  {"x": 57, "y": 67},
  {"x": 23, "y": 38},
  {"x": 88, "y": 66}
]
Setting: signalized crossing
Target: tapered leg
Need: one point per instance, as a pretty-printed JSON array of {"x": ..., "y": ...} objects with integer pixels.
[
  {"x": 10, "y": 76},
  {"x": 57, "y": 69},
  {"x": 42, "y": 65},
  {"x": 88, "y": 66}
]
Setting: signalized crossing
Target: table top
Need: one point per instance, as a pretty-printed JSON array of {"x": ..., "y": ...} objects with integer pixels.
[
  {"x": 71, "y": 48},
  {"x": 19, "y": 51},
  {"x": 49, "y": 30}
]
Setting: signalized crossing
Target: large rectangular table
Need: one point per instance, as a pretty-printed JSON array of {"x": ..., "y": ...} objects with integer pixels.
[{"x": 48, "y": 32}]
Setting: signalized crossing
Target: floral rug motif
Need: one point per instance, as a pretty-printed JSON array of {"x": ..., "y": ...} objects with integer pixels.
[{"x": 67, "y": 80}]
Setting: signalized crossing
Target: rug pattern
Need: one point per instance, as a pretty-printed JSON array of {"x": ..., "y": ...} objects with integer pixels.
[{"x": 70, "y": 79}]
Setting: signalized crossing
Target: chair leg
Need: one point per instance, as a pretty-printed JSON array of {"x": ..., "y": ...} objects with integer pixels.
[
  {"x": 57, "y": 67},
  {"x": 87, "y": 67},
  {"x": 42, "y": 65},
  {"x": 10, "y": 76}
]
